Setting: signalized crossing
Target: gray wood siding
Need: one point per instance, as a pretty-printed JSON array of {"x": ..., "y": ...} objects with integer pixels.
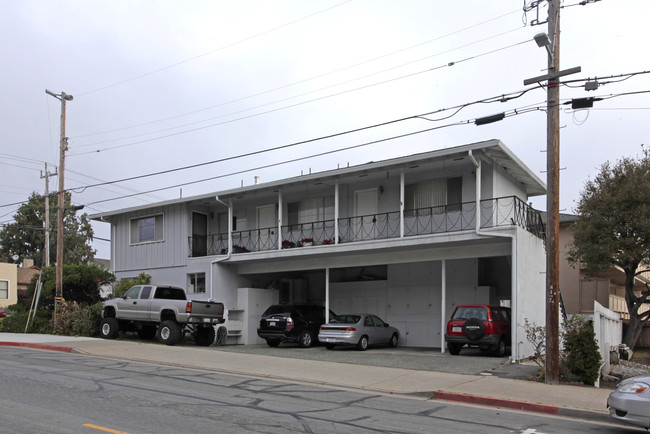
[{"x": 170, "y": 252}]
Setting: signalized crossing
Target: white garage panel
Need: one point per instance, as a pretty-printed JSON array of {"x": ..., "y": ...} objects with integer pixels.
[{"x": 411, "y": 298}]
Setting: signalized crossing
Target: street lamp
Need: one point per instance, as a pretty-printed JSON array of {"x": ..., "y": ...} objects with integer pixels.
[{"x": 543, "y": 40}]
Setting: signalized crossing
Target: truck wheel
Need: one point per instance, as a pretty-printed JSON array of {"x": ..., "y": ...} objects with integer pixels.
[
  {"x": 454, "y": 349},
  {"x": 109, "y": 328},
  {"x": 272, "y": 342},
  {"x": 169, "y": 332},
  {"x": 204, "y": 336}
]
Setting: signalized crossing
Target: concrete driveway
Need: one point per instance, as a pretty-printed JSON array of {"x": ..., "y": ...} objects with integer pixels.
[{"x": 469, "y": 361}]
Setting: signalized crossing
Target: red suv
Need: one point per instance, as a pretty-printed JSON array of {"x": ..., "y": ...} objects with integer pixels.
[{"x": 479, "y": 325}]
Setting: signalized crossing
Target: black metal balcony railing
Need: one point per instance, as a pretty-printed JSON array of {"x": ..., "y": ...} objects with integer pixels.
[{"x": 505, "y": 211}]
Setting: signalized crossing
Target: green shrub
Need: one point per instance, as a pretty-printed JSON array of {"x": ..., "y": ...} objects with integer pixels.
[
  {"x": 16, "y": 320},
  {"x": 582, "y": 356},
  {"x": 580, "y": 360}
]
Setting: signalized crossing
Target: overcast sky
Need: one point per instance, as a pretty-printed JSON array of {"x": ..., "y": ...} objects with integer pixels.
[{"x": 159, "y": 85}]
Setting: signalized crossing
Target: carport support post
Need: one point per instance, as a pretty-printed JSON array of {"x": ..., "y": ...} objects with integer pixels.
[
  {"x": 280, "y": 205},
  {"x": 401, "y": 203},
  {"x": 336, "y": 213},
  {"x": 327, "y": 295},
  {"x": 443, "y": 304}
]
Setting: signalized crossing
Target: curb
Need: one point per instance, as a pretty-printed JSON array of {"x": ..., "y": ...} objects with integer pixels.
[
  {"x": 497, "y": 402},
  {"x": 603, "y": 417},
  {"x": 37, "y": 346}
]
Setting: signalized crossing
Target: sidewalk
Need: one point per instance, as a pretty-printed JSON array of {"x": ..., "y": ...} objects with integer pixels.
[{"x": 574, "y": 401}]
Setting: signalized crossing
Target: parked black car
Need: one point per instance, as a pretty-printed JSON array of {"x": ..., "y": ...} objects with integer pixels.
[{"x": 292, "y": 323}]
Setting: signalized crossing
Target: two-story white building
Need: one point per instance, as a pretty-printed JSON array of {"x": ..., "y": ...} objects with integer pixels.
[{"x": 407, "y": 239}]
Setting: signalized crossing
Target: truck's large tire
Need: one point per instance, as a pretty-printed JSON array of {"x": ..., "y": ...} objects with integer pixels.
[
  {"x": 204, "y": 336},
  {"x": 169, "y": 332},
  {"x": 109, "y": 328}
]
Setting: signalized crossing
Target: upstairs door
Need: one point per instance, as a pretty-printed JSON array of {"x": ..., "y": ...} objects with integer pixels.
[
  {"x": 365, "y": 210},
  {"x": 266, "y": 227},
  {"x": 199, "y": 234}
]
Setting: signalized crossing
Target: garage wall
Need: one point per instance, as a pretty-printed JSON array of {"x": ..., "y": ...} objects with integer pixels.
[{"x": 410, "y": 299}]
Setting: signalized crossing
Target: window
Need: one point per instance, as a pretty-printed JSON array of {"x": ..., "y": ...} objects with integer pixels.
[
  {"x": 311, "y": 210},
  {"x": 146, "y": 292},
  {"x": 147, "y": 229},
  {"x": 195, "y": 283},
  {"x": 4, "y": 289},
  {"x": 133, "y": 292},
  {"x": 436, "y": 196}
]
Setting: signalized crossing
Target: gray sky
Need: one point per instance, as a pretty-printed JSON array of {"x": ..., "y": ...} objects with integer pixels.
[{"x": 159, "y": 85}]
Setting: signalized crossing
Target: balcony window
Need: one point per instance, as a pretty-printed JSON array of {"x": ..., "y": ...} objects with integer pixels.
[
  {"x": 436, "y": 196},
  {"x": 147, "y": 229},
  {"x": 310, "y": 210}
]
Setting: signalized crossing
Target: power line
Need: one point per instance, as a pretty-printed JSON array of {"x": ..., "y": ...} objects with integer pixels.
[
  {"x": 500, "y": 98},
  {"x": 511, "y": 113},
  {"x": 450, "y": 64}
]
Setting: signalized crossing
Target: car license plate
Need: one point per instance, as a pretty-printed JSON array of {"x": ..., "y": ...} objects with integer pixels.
[
  {"x": 272, "y": 323},
  {"x": 206, "y": 319},
  {"x": 456, "y": 329}
]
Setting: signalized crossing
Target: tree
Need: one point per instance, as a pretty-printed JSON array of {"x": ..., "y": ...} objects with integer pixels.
[
  {"x": 80, "y": 284},
  {"x": 26, "y": 236},
  {"x": 614, "y": 230},
  {"x": 123, "y": 285}
]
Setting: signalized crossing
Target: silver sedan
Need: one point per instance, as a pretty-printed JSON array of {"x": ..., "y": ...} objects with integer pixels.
[
  {"x": 360, "y": 329},
  {"x": 630, "y": 402}
]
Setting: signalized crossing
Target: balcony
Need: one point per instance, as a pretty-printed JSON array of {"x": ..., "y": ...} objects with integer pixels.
[
  {"x": 619, "y": 305},
  {"x": 500, "y": 212}
]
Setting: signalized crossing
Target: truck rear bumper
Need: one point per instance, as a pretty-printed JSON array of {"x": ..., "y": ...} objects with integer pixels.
[{"x": 204, "y": 320}]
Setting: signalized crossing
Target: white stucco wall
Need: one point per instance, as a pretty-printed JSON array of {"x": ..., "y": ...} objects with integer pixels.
[
  {"x": 531, "y": 288},
  {"x": 504, "y": 185}
]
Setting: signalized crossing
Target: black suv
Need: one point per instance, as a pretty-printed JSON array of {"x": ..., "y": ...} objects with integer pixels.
[{"x": 292, "y": 323}]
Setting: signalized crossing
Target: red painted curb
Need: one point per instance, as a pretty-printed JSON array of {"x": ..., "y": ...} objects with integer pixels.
[
  {"x": 37, "y": 346},
  {"x": 497, "y": 402}
]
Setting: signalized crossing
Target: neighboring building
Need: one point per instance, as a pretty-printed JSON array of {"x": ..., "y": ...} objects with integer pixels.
[
  {"x": 579, "y": 291},
  {"x": 26, "y": 273},
  {"x": 408, "y": 239},
  {"x": 8, "y": 284}
]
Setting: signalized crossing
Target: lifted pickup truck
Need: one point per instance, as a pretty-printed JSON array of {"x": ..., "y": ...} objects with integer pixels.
[{"x": 163, "y": 312}]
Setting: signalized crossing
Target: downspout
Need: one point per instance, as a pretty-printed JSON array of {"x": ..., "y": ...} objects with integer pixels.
[
  {"x": 229, "y": 206},
  {"x": 514, "y": 346}
]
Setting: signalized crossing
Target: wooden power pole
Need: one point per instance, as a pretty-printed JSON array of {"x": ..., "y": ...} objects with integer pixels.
[
  {"x": 47, "y": 214},
  {"x": 58, "y": 296},
  {"x": 553, "y": 198}
]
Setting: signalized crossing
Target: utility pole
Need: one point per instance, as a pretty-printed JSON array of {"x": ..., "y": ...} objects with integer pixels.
[
  {"x": 553, "y": 198},
  {"x": 551, "y": 42},
  {"x": 58, "y": 296},
  {"x": 47, "y": 214}
]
